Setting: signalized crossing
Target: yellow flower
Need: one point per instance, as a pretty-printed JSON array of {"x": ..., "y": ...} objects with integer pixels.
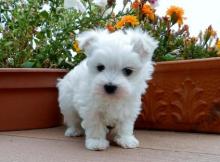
[
  {"x": 131, "y": 20},
  {"x": 76, "y": 46},
  {"x": 210, "y": 32},
  {"x": 218, "y": 44},
  {"x": 177, "y": 12},
  {"x": 148, "y": 11}
]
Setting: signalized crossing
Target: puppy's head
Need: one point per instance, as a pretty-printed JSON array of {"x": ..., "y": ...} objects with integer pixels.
[{"x": 116, "y": 60}]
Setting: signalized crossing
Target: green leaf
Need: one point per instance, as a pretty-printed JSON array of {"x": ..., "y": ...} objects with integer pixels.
[
  {"x": 27, "y": 64},
  {"x": 40, "y": 35},
  {"x": 9, "y": 43},
  {"x": 168, "y": 57},
  {"x": 174, "y": 18},
  {"x": 44, "y": 14}
]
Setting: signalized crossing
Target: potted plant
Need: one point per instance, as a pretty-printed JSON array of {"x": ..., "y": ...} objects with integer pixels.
[
  {"x": 34, "y": 53},
  {"x": 36, "y": 40}
]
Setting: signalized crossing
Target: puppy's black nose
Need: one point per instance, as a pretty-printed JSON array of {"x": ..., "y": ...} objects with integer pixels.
[{"x": 110, "y": 88}]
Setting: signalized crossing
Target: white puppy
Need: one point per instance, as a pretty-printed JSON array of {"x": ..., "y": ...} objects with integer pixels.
[{"x": 105, "y": 89}]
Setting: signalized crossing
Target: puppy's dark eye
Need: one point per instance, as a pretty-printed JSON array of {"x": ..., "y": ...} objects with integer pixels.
[
  {"x": 100, "y": 67},
  {"x": 127, "y": 71}
]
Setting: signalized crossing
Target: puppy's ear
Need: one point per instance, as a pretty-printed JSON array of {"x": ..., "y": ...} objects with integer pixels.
[
  {"x": 86, "y": 39},
  {"x": 143, "y": 43}
]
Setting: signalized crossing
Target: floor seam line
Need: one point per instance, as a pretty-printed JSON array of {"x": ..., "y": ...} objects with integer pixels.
[
  {"x": 142, "y": 148},
  {"x": 203, "y": 153}
]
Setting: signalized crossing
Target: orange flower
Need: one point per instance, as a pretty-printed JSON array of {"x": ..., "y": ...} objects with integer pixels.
[
  {"x": 110, "y": 28},
  {"x": 131, "y": 20},
  {"x": 177, "y": 12},
  {"x": 135, "y": 4},
  {"x": 148, "y": 11}
]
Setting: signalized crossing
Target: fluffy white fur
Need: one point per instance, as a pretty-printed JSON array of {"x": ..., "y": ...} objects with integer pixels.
[{"x": 83, "y": 100}]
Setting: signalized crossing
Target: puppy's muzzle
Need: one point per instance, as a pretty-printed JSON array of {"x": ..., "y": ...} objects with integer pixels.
[{"x": 110, "y": 88}]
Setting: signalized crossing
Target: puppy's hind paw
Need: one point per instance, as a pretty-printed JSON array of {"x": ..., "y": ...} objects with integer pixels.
[
  {"x": 72, "y": 132},
  {"x": 97, "y": 144},
  {"x": 127, "y": 142}
]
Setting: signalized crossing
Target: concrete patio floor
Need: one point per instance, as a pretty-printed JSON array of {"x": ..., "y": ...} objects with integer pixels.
[{"x": 49, "y": 145}]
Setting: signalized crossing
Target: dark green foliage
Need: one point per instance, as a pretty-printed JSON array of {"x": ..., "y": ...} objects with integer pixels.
[
  {"x": 51, "y": 31},
  {"x": 54, "y": 31}
]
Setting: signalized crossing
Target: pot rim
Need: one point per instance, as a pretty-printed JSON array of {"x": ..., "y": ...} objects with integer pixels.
[
  {"x": 44, "y": 70},
  {"x": 213, "y": 62},
  {"x": 189, "y": 60},
  {"x": 188, "y": 65}
]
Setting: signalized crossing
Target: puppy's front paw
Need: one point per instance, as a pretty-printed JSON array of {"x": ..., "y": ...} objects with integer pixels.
[
  {"x": 96, "y": 144},
  {"x": 71, "y": 132},
  {"x": 127, "y": 141}
]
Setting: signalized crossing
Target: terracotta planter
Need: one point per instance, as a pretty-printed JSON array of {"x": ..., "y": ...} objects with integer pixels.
[
  {"x": 28, "y": 98},
  {"x": 183, "y": 96}
]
